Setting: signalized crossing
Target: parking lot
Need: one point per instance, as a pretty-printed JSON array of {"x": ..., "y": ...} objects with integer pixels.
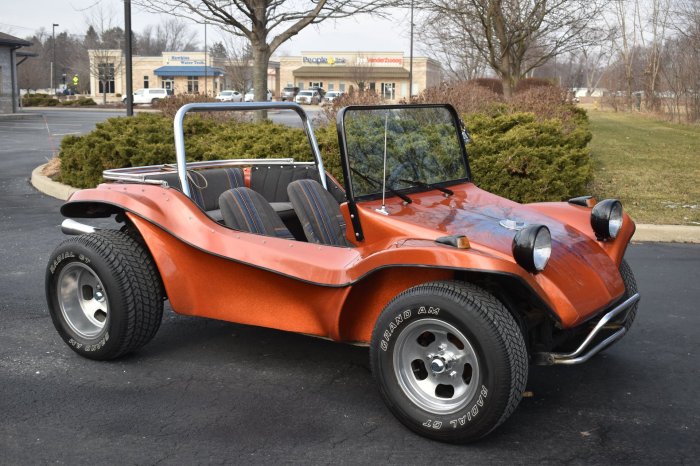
[{"x": 205, "y": 391}]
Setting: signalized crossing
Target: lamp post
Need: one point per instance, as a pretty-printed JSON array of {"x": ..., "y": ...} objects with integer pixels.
[
  {"x": 205, "y": 59},
  {"x": 410, "y": 62},
  {"x": 127, "y": 52},
  {"x": 53, "y": 59}
]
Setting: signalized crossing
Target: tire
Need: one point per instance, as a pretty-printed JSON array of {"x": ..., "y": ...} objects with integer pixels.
[
  {"x": 154, "y": 101},
  {"x": 104, "y": 294},
  {"x": 422, "y": 334},
  {"x": 630, "y": 289}
]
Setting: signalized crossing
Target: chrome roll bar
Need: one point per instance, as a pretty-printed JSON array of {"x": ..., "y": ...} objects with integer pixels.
[{"x": 238, "y": 106}]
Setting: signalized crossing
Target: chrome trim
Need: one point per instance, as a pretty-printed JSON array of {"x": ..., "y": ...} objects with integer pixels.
[
  {"x": 238, "y": 106},
  {"x": 71, "y": 227},
  {"x": 578, "y": 356}
]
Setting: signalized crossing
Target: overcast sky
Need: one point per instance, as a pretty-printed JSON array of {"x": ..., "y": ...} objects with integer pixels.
[{"x": 22, "y": 18}]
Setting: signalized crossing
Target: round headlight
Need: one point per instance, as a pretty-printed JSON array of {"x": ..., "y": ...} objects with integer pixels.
[
  {"x": 606, "y": 219},
  {"x": 532, "y": 247}
]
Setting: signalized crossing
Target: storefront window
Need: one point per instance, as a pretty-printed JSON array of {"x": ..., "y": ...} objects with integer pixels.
[
  {"x": 192, "y": 84},
  {"x": 389, "y": 91},
  {"x": 372, "y": 87},
  {"x": 316, "y": 84},
  {"x": 330, "y": 87},
  {"x": 341, "y": 87},
  {"x": 300, "y": 84},
  {"x": 145, "y": 82}
]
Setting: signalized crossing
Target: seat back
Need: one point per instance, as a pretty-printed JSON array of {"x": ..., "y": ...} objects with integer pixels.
[
  {"x": 245, "y": 210},
  {"x": 205, "y": 185},
  {"x": 318, "y": 212},
  {"x": 272, "y": 180}
]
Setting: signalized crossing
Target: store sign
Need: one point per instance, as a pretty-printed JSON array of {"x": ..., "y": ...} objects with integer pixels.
[
  {"x": 185, "y": 60},
  {"x": 392, "y": 60},
  {"x": 324, "y": 60}
]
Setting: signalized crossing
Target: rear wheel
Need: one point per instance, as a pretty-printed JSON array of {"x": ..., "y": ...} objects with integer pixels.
[
  {"x": 104, "y": 294},
  {"x": 450, "y": 360}
]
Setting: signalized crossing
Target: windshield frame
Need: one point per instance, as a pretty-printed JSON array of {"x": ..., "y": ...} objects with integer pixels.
[{"x": 345, "y": 162}]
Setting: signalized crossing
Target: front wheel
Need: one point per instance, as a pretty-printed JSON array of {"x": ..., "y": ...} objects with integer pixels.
[
  {"x": 104, "y": 294},
  {"x": 450, "y": 360}
]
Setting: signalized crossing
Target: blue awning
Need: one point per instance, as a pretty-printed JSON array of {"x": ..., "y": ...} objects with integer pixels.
[{"x": 188, "y": 71}]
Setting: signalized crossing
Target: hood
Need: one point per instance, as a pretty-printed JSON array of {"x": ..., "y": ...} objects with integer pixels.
[{"x": 578, "y": 267}]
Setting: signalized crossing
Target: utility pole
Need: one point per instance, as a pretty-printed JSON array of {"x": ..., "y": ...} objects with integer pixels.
[
  {"x": 205, "y": 59},
  {"x": 53, "y": 59},
  {"x": 127, "y": 52},
  {"x": 410, "y": 63}
]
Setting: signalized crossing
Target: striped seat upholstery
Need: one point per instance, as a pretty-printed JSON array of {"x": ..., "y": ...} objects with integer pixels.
[
  {"x": 245, "y": 210},
  {"x": 318, "y": 212}
]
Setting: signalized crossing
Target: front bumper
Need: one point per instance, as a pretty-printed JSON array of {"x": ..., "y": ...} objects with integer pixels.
[{"x": 592, "y": 345}]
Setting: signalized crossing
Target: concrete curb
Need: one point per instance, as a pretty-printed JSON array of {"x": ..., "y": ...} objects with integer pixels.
[
  {"x": 667, "y": 233},
  {"x": 50, "y": 187},
  {"x": 19, "y": 116},
  {"x": 644, "y": 233}
]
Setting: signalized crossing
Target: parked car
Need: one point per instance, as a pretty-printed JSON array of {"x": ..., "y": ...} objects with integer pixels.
[
  {"x": 149, "y": 96},
  {"x": 229, "y": 96},
  {"x": 250, "y": 95},
  {"x": 332, "y": 95},
  {"x": 308, "y": 97},
  {"x": 455, "y": 290},
  {"x": 288, "y": 93}
]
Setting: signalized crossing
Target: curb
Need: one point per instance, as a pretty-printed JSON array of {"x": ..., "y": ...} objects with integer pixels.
[
  {"x": 645, "y": 233},
  {"x": 52, "y": 188},
  {"x": 19, "y": 116}
]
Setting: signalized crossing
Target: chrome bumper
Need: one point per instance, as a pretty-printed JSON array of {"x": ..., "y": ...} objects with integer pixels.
[{"x": 583, "y": 353}]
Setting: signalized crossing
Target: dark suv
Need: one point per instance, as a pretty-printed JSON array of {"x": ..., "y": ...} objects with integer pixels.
[{"x": 288, "y": 93}]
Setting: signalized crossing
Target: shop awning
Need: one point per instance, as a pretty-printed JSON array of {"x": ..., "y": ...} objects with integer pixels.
[
  {"x": 188, "y": 71},
  {"x": 376, "y": 72}
]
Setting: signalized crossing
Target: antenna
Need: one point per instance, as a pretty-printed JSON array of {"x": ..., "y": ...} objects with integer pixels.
[{"x": 383, "y": 209}]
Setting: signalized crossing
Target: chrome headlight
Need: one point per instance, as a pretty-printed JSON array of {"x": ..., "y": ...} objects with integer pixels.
[
  {"x": 532, "y": 247},
  {"x": 606, "y": 219}
]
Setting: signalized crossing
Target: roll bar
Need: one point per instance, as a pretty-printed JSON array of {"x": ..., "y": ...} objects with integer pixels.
[{"x": 238, "y": 106}]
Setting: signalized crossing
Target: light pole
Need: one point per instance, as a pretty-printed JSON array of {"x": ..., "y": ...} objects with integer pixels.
[
  {"x": 205, "y": 58},
  {"x": 410, "y": 62},
  {"x": 53, "y": 59},
  {"x": 127, "y": 52}
]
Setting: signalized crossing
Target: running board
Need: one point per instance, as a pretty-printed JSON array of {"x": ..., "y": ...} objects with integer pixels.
[{"x": 583, "y": 353}]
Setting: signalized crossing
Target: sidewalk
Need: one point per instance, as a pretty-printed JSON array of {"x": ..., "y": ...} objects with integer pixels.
[{"x": 644, "y": 233}]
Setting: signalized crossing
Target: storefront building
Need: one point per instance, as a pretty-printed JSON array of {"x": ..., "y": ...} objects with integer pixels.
[
  {"x": 181, "y": 72},
  {"x": 386, "y": 73}
]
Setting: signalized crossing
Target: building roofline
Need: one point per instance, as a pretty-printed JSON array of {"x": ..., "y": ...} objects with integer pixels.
[{"x": 6, "y": 39}]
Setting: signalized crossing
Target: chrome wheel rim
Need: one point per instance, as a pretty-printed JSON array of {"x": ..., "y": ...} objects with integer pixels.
[
  {"x": 436, "y": 366},
  {"x": 83, "y": 300}
]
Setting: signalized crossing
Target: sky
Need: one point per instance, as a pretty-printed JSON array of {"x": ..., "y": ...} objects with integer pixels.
[{"x": 22, "y": 18}]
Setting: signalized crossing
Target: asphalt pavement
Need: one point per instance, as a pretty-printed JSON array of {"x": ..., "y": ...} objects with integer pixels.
[{"x": 205, "y": 391}]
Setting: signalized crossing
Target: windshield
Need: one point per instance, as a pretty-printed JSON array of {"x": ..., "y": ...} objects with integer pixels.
[
  {"x": 306, "y": 93},
  {"x": 422, "y": 144},
  {"x": 226, "y": 92}
]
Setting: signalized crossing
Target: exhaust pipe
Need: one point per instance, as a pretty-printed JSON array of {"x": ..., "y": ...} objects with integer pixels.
[{"x": 71, "y": 227}]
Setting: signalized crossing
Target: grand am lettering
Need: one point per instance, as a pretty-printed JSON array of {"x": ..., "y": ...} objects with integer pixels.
[{"x": 399, "y": 319}]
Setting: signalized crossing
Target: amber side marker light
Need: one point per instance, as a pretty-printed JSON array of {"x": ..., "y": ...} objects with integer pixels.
[{"x": 456, "y": 241}]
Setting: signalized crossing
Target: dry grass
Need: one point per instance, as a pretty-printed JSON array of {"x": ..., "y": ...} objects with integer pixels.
[
  {"x": 652, "y": 166},
  {"x": 52, "y": 169}
]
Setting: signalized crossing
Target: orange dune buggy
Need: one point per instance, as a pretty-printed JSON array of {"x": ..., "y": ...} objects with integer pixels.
[{"x": 454, "y": 289}]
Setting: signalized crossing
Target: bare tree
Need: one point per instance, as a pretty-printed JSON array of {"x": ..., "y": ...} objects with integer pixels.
[
  {"x": 515, "y": 37},
  {"x": 105, "y": 65},
  {"x": 239, "y": 63},
  {"x": 267, "y": 24},
  {"x": 171, "y": 35},
  {"x": 444, "y": 39},
  {"x": 658, "y": 23},
  {"x": 360, "y": 72}
]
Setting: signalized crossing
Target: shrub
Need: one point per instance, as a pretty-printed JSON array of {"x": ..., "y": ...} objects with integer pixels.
[
  {"x": 532, "y": 83},
  {"x": 464, "y": 96},
  {"x": 525, "y": 159},
  {"x": 147, "y": 139},
  {"x": 38, "y": 100},
  {"x": 352, "y": 97}
]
